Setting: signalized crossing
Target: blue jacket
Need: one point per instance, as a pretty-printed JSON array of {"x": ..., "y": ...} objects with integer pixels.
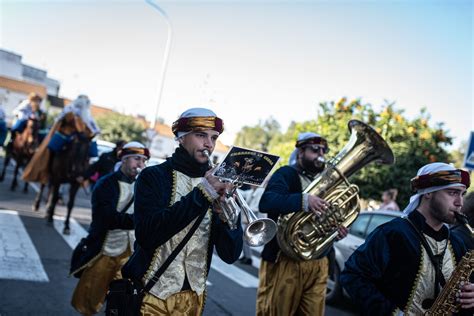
[
  {"x": 379, "y": 276},
  {"x": 156, "y": 221},
  {"x": 104, "y": 217},
  {"x": 283, "y": 195}
]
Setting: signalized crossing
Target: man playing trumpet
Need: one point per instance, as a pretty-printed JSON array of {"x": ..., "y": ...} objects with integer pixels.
[{"x": 170, "y": 197}]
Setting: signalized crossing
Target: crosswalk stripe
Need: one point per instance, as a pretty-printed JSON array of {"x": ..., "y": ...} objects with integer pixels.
[
  {"x": 18, "y": 256},
  {"x": 77, "y": 231},
  {"x": 232, "y": 272}
]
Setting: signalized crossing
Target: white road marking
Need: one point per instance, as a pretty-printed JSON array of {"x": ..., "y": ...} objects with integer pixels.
[
  {"x": 234, "y": 273},
  {"x": 77, "y": 231},
  {"x": 237, "y": 275},
  {"x": 18, "y": 256}
]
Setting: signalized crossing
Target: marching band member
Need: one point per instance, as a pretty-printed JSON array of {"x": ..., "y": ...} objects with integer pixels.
[
  {"x": 288, "y": 287},
  {"x": 403, "y": 263},
  {"x": 169, "y": 199},
  {"x": 100, "y": 256}
]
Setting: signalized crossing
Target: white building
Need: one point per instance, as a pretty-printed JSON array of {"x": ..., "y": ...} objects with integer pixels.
[{"x": 17, "y": 80}]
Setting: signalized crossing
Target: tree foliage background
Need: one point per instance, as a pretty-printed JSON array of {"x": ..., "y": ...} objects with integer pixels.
[
  {"x": 116, "y": 126},
  {"x": 414, "y": 142}
]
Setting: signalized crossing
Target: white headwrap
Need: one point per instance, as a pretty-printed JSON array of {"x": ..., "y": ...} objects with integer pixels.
[
  {"x": 302, "y": 136},
  {"x": 194, "y": 112},
  {"x": 427, "y": 169},
  {"x": 132, "y": 144},
  {"x": 81, "y": 108}
]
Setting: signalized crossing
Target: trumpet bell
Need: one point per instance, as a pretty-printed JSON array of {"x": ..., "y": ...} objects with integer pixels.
[{"x": 260, "y": 231}]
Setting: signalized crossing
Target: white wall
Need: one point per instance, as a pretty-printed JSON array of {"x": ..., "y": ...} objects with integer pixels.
[
  {"x": 9, "y": 100},
  {"x": 10, "y": 65}
]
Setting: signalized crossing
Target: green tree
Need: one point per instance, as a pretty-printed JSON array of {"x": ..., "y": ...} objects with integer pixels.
[
  {"x": 413, "y": 142},
  {"x": 116, "y": 126},
  {"x": 259, "y": 136}
]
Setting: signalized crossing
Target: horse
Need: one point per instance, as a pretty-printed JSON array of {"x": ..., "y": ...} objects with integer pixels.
[
  {"x": 22, "y": 150},
  {"x": 65, "y": 167}
]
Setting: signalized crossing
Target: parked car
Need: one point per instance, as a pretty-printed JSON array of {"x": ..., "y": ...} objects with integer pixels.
[
  {"x": 154, "y": 161},
  {"x": 365, "y": 223}
]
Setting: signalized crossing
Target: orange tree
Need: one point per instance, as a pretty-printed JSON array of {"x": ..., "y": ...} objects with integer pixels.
[
  {"x": 116, "y": 126},
  {"x": 414, "y": 143}
]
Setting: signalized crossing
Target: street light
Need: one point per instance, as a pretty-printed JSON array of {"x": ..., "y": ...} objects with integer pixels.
[{"x": 165, "y": 60}]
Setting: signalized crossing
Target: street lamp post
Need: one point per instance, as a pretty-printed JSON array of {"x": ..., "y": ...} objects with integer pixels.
[{"x": 165, "y": 59}]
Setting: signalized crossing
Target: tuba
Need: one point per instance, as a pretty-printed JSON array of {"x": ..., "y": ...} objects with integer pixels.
[
  {"x": 302, "y": 235},
  {"x": 258, "y": 231}
]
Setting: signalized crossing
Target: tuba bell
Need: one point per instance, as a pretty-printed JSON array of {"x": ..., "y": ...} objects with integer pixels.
[{"x": 302, "y": 235}]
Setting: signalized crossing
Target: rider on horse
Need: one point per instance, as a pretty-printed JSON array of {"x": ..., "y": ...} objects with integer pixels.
[
  {"x": 28, "y": 109},
  {"x": 75, "y": 120}
]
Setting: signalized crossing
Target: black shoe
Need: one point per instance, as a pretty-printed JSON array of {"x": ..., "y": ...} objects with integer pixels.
[{"x": 245, "y": 260}]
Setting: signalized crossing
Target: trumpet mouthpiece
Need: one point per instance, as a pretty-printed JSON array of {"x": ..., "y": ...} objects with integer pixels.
[{"x": 208, "y": 155}]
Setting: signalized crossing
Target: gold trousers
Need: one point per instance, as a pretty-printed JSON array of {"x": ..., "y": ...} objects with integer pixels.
[
  {"x": 290, "y": 287},
  {"x": 89, "y": 295},
  {"x": 185, "y": 303}
]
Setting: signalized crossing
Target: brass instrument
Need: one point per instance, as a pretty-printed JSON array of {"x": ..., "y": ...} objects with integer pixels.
[
  {"x": 302, "y": 235},
  {"x": 446, "y": 304},
  {"x": 258, "y": 231}
]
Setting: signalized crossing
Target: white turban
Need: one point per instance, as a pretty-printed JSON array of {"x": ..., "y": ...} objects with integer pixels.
[
  {"x": 194, "y": 112},
  {"x": 428, "y": 169},
  {"x": 302, "y": 136}
]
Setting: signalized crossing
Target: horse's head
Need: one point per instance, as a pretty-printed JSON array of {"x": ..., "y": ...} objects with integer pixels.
[{"x": 78, "y": 153}]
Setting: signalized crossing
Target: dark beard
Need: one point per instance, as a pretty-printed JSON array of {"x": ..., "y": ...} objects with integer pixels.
[
  {"x": 313, "y": 166},
  {"x": 439, "y": 214}
]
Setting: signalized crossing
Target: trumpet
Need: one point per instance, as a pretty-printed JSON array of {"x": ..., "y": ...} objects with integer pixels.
[{"x": 258, "y": 231}]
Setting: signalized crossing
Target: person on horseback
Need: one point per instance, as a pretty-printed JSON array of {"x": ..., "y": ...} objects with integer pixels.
[
  {"x": 63, "y": 155},
  {"x": 27, "y": 109},
  {"x": 98, "y": 258},
  {"x": 25, "y": 136},
  {"x": 74, "y": 120}
]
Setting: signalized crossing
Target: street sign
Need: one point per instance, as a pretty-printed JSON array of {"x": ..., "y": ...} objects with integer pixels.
[{"x": 469, "y": 158}]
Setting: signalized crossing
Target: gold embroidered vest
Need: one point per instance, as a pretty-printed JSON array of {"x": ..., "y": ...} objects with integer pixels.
[
  {"x": 192, "y": 260},
  {"x": 423, "y": 286},
  {"x": 117, "y": 240}
]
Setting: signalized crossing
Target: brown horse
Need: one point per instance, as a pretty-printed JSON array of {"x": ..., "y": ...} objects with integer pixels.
[
  {"x": 63, "y": 166},
  {"x": 66, "y": 166},
  {"x": 22, "y": 150}
]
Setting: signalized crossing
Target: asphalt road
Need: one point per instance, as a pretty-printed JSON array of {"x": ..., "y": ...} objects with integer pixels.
[{"x": 34, "y": 263}]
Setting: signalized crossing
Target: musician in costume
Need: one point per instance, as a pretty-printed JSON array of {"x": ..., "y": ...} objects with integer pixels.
[
  {"x": 290, "y": 287},
  {"x": 99, "y": 257},
  {"x": 169, "y": 198},
  {"x": 74, "y": 120},
  {"x": 393, "y": 270}
]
